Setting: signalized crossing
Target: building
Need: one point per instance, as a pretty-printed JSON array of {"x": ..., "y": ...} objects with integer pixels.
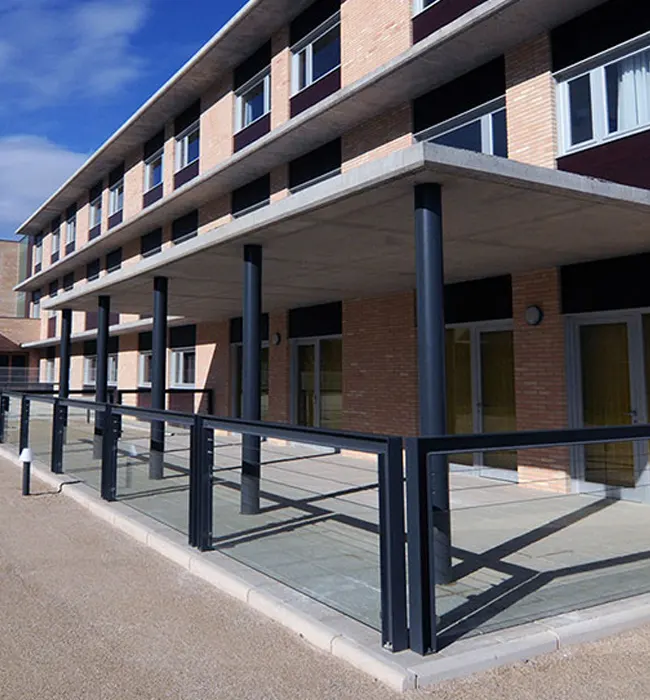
[{"x": 296, "y": 139}]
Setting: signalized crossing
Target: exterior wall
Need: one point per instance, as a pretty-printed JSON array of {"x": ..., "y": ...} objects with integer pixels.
[
  {"x": 377, "y": 138},
  {"x": 380, "y": 382},
  {"x": 540, "y": 376},
  {"x": 83, "y": 213},
  {"x": 213, "y": 214},
  {"x": 217, "y": 125},
  {"x": 279, "y": 369},
  {"x": 9, "y": 271},
  {"x": 279, "y": 183},
  {"x": 372, "y": 34},
  {"x": 127, "y": 367},
  {"x": 280, "y": 78},
  {"x": 168, "y": 159},
  {"x": 133, "y": 184},
  {"x": 213, "y": 366},
  {"x": 530, "y": 103},
  {"x": 77, "y": 368},
  {"x": 15, "y": 331}
]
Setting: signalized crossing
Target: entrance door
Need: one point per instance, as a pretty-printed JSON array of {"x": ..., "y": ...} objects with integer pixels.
[
  {"x": 612, "y": 391},
  {"x": 481, "y": 392},
  {"x": 318, "y": 382}
]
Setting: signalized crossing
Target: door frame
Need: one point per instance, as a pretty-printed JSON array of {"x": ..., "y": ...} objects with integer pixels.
[
  {"x": 633, "y": 319},
  {"x": 294, "y": 382},
  {"x": 476, "y": 329}
]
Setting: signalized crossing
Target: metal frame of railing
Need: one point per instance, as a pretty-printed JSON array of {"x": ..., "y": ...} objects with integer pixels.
[{"x": 392, "y": 555}]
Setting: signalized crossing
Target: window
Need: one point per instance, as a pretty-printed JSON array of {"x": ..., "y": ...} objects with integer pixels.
[
  {"x": 116, "y": 198},
  {"x": 252, "y": 196},
  {"x": 56, "y": 241},
  {"x": 153, "y": 171},
  {"x": 185, "y": 228},
  {"x": 315, "y": 166},
  {"x": 318, "y": 54},
  {"x": 151, "y": 243},
  {"x": 36, "y": 304},
  {"x": 95, "y": 212},
  {"x": 187, "y": 146},
  {"x": 38, "y": 252},
  {"x": 482, "y": 130},
  {"x": 606, "y": 101},
  {"x": 71, "y": 230},
  {"x": 183, "y": 367},
  {"x": 420, "y": 5},
  {"x": 50, "y": 373},
  {"x": 92, "y": 270},
  {"x": 112, "y": 369},
  {"x": 144, "y": 369},
  {"x": 253, "y": 100},
  {"x": 90, "y": 370},
  {"x": 68, "y": 282},
  {"x": 114, "y": 260}
]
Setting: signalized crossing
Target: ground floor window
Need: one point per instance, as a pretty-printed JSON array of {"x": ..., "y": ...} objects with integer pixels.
[
  {"x": 183, "y": 367},
  {"x": 144, "y": 369},
  {"x": 50, "y": 374},
  {"x": 90, "y": 370},
  {"x": 112, "y": 369}
]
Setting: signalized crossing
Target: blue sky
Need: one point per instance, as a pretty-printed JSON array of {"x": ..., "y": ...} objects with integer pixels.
[{"x": 72, "y": 71}]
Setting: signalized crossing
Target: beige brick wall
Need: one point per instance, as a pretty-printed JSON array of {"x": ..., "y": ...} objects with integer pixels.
[
  {"x": 168, "y": 159},
  {"x": 280, "y": 78},
  {"x": 280, "y": 183},
  {"x": 377, "y": 137},
  {"x": 77, "y": 367},
  {"x": 530, "y": 103},
  {"x": 372, "y": 33},
  {"x": 133, "y": 184},
  {"x": 380, "y": 376},
  {"x": 127, "y": 366},
  {"x": 15, "y": 331},
  {"x": 9, "y": 269},
  {"x": 83, "y": 213},
  {"x": 540, "y": 374},
  {"x": 213, "y": 214},
  {"x": 217, "y": 107},
  {"x": 279, "y": 369}
]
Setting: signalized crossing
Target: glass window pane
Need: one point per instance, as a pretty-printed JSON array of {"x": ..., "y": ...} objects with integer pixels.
[
  {"x": 302, "y": 69},
  {"x": 193, "y": 147},
  {"x": 500, "y": 134},
  {"x": 467, "y": 137},
  {"x": 331, "y": 384},
  {"x": 581, "y": 121},
  {"x": 460, "y": 407},
  {"x": 253, "y": 104},
  {"x": 326, "y": 53},
  {"x": 628, "y": 93},
  {"x": 188, "y": 367}
]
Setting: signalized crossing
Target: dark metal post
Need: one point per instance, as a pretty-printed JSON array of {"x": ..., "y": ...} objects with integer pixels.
[
  {"x": 23, "y": 440},
  {"x": 158, "y": 375},
  {"x": 431, "y": 360},
  {"x": 59, "y": 416},
  {"x": 201, "y": 462},
  {"x": 64, "y": 366},
  {"x": 252, "y": 349},
  {"x": 392, "y": 561},
  {"x": 109, "y": 453},
  {"x": 4, "y": 401},
  {"x": 101, "y": 380}
]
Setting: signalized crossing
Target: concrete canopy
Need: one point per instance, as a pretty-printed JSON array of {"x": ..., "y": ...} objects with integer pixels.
[{"x": 352, "y": 236}]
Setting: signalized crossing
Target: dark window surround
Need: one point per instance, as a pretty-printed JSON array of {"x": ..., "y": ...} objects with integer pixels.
[
  {"x": 113, "y": 260},
  {"x": 51, "y": 327},
  {"x": 254, "y": 64},
  {"x": 476, "y": 88},
  {"x": 315, "y": 15},
  {"x": 184, "y": 120},
  {"x": 154, "y": 144},
  {"x": 115, "y": 219},
  {"x": 440, "y": 14},
  {"x": 95, "y": 232},
  {"x": 68, "y": 281},
  {"x": 251, "y": 196},
  {"x": 182, "y": 336},
  {"x": 153, "y": 195},
  {"x": 488, "y": 299},
  {"x": 315, "y": 166},
  {"x": 252, "y": 132},
  {"x": 53, "y": 288},
  {"x": 151, "y": 243},
  {"x": 116, "y": 175},
  {"x": 185, "y": 227},
  {"x": 316, "y": 92},
  {"x": 92, "y": 270},
  {"x": 95, "y": 191},
  {"x": 314, "y": 321},
  {"x": 69, "y": 248},
  {"x": 237, "y": 329},
  {"x": 189, "y": 172},
  {"x": 145, "y": 341}
]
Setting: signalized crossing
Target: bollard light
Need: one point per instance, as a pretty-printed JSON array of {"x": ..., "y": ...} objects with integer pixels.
[{"x": 26, "y": 459}]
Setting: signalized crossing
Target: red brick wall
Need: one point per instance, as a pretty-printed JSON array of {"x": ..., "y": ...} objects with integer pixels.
[
  {"x": 279, "y": 370},
  {"x": 540, "y": 374},
  {"x": 380, "y": 365}
]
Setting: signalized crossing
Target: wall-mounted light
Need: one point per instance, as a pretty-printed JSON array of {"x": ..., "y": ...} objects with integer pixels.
[
  {"x": 534, "y": 315},
  {"x": 276, "y": 339}
]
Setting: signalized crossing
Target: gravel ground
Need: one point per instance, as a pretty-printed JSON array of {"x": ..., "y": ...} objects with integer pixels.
[{"x": 85, "y": 612}]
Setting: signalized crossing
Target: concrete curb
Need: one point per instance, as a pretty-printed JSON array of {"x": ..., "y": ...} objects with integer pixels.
[{"x": 336, "y": 634}]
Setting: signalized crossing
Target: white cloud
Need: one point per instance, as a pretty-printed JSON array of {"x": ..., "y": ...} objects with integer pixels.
[
  {"x": 54, "y": 50},
  {"x": 32, "y": 169}
]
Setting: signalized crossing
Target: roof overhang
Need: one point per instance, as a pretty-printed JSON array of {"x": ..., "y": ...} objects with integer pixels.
[
  {"x": 352, "y": 236},
  {"x": 478, "y": 36}
]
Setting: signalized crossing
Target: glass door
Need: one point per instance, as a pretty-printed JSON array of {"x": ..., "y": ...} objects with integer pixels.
[
  {"x": 611, "y": 390},
  {"x": 318, "y": 382}
]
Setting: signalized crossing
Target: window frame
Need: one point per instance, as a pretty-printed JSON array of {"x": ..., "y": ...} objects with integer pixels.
[
  {"x": 177, "y": 356},
  {"x": 56, "y": 239},
  {"x": 419, "y": 6},
  {"x": 595, "y": 67},
  {"x": 36, "y": 307},
  {"x": 95, "y": 212},
  {"x": 148, "y": 162},
  {"x": 71, "y": 225},
  {"x": 182, "y": 146},
  {"x": 306, "y": 44},
  {"x": 142, "y": 357},
  {"x": 90, "y": 367},
  {"x": 483, "y": 112},
  {"x": 261, "y": 78},
  {"x": 50, "y": 370},
  {"x": 113, "y": 368},
  {"x": 116, "y": 197},
  {"x": 38, "y": 251}
]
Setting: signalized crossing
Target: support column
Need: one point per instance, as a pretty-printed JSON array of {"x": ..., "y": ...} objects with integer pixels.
[
  {"x": 252, "y": 350},
  {"x": 158, "y": 375},
  {"x": 64, "y": 365},
  {"x": 101, "y": 380},
  {"x": 431, "y": 361}
]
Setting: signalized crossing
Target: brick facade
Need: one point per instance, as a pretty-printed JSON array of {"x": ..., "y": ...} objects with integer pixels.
[
  {"x": 530, "y": 103},
  {"x": 279, "y": 369}
]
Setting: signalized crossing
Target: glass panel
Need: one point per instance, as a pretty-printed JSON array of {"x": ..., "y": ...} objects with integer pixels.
[
  {"x": 498, "y": 393},
  {"x": 499, "y": 134},
  {"x": 306, "y": 385},
  {"x": 460, "y": 414},
  {"x": 239, "y": 382},
  {"x": 264, "y": 381},
  {"x": 467, "y": 137},
  {"x": 580, "y": 110},
  {"x": 606, "y": 401},
  {"x": 331, "y": 383},
  {"x": 302, "y": 69},
  {"x": 12, "y": 424},
  {"x": 326, "y": 53},
  {"x": 253, "y": 103},
  {"x": 193, "y": 147},
  {"x": 628, "y": 92},
  {"x": 81, "y": 456}
]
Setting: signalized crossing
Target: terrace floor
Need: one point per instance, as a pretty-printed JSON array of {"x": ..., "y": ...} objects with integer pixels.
[{"x": 520, "y": 553}]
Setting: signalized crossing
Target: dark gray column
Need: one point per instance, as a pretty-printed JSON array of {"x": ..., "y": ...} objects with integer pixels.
[
  {"x": 431, "y": 361},
  {"x": 252, "y": 350},
  {"x": 158, "y": 374},
  {"x": 64, "y": 365},
  {"x": 101, "y": 379}
]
